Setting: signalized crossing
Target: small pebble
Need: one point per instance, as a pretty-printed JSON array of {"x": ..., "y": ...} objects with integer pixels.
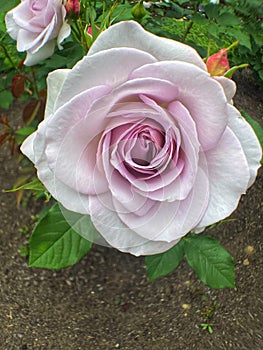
[
  {"x": 246, "y": 262},
  {"x": 186, "y": 306},
  {"x": 249, "y": 250}
]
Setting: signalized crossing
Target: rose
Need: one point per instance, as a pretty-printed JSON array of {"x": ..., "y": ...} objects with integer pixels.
[
  {"x": 35, "y": 24},
  {"x": 139, "y": 136}
]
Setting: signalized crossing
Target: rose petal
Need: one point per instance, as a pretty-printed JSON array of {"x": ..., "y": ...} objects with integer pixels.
[
  {"x": 121, "y": 189},
  {"x": 63, "y": 34},
  {"x": 131, "y": 34},
  {"x": 67, "y": 196},
  {"x": 34, "y": 149},
  {"x": 112, "y": 74},
  {"x": 228, "y": 85},
  {"x": 228, "y": 176},
  {"x": 131, "y": 91},
  {"x": 45, "y": 52},
  {"x": 55, "y": 81},
  {"x": 71, "y": 154},
  {"x": 22, "y": 15},
  {"x": 27, "y": 147},
  {"x": 12, "y": 27},
  {"x": 248, "y": 140},
  {"x": 169, "y": 221},
  {"x": 203, "y": 97},
  {"x": 118, "y": 234},
  {"x": 34, "y": 41}
]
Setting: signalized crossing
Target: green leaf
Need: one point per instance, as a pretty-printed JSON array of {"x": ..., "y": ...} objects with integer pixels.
[
  {"x": 122, "y": 12},
  {"x": 213, "y": 265},
  {"x": 162, "y": 264},
  {"x": 72, "y": 52},
  {"x": 199, "y": 18},
  {"x": 181, "y": 2},
  {"x": 54, "y": 244},
  {"x": 213, "y": 29},
  {"x": 256, "y": 127},
  {"x": 8, "y": 5},
  {"x": 228, "y": 19},
  {"x": 23, "y": 133},
  {"x": 34, "y": 185},
  {"x": 212, "y": 10},
  {"x": 56, "y": 61},
  {"x": 177, "y": 11},
  {"x": 241, "y": 36},
  {"x": 6, "y": 98}
]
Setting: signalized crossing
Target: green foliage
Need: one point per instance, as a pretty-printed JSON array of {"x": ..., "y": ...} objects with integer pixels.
[
  {"x": 6, "y": 98},
  {"x": 34, "y": 185},
  {"x": 122, "y": 12},
  {"x": 207, "y": 313},
  {"x": 23, "y": 251},
  {"x": 212, "y": 263},
  {"x": 139, "y": 11},
  {"x": 54, "y": 244},
  {"x": 72, "y": 52},
  {"x": 23, "y": 133},
  {"x": 209, "y": 27},
  {"x": 208, "y": 327},
  {"x": 162, "y": 264},
  {"x": 8, "y": 5}
]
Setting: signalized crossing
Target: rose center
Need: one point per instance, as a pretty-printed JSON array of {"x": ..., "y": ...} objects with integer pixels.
[
  {"x": 38, "y": 5},
  {"x": 147, "y": 145}
]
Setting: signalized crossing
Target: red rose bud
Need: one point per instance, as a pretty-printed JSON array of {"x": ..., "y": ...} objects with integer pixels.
[
  {"x": 218, "y": 64},
  {"x": 90, "y": 31},
  {"x": 72, "y": 7}
]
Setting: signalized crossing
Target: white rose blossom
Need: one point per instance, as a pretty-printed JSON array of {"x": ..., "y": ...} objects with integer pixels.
[{"x": 139, "y": 136}]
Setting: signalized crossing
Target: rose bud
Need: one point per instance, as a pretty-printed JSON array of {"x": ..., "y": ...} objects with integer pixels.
[
  {"x": 138, "y": 11},
  {"x": 72, "y": 7},
  {"x": 90, "y": 31},
  {"x": 218, "y": 64}
]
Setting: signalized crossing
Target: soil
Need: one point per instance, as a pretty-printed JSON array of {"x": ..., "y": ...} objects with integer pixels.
[{"x": 106, "y": 302}]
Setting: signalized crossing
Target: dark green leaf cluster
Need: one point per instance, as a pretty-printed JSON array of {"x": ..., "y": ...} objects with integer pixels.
[
  {"x": 213, "y": 265},
  {"x": 209, "y": 27}
]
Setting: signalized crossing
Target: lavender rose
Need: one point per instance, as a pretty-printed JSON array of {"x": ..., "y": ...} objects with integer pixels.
[
  {"x": 35, "y": 24},
  {"x": 139, "y": 136}
]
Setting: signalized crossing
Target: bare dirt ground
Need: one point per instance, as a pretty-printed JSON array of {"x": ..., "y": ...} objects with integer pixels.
[{"x": 106, "y": 302}]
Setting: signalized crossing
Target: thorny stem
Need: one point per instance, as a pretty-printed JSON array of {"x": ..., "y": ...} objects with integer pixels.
[
  {"x": 188, "y": 29},
  {"x": 34, "y": 82},
  {"x": 82, "y": 36}
]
